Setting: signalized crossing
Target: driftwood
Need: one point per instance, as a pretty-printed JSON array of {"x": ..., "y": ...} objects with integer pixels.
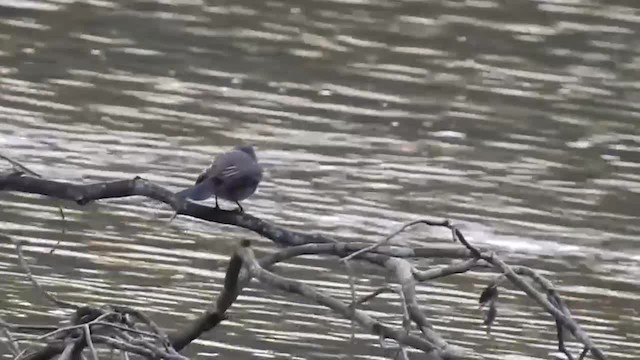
[{"x": 92, "y": 330}]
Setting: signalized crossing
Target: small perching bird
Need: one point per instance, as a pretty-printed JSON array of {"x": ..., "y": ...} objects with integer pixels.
[{"x": 234, "y": 176}]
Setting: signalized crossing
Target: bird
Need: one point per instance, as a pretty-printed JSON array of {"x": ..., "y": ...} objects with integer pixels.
[{"x": 234, "y": 175}]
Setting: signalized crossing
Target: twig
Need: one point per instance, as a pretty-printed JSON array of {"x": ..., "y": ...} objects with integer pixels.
[
  {"x": 384, "y": 289},
  {"x": 377, "y": 256},
  {"x": 402, "y": 353},
  {"x": 555, "y": 299},
  {"x": 456, "y": 235},
  {"x": 59, "y": 331},
  {"x": 68, "y": 352},
  {"x": 19, "y": 356},
  {"x": 17, "y": 166},
  {"x": 160, "y": 334},
  {"x": 12, "y": 344},
  {"x": 352, "y": 287},
  {"x": 93, "y": 323},
  {"x": 23, "y": 169},
  {"x": 402, "y": 271},
  {"x": 43, "y": 292},
  {"x": 87, "y": 337},
  {"x": 584, "y": 353},
  {"x": 19, "y": 327},
  {"x": 126, "y": 329},
  {"x": 559, "y": 315},
  {"x": 381, "y": 242},
  {"x": 123, "y": 346},
  {"x": 561, "y": 346},
  {"x": 552, "y": 297},
  {"x": 64, "y": 228},
  {"x": 406, "y": 319},
  {"x": 233, "y": 282},
  {"x": 435, "y": 273}
]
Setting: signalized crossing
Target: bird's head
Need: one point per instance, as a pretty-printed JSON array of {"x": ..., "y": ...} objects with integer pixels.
[{"x": 247, "y": 149}]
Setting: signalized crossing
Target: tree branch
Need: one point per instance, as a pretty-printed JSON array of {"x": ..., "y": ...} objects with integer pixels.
[
  {"x": 394, "y": 259},
  {"x": 83, "y": 194},
  {"x": 371, "y": 325}
]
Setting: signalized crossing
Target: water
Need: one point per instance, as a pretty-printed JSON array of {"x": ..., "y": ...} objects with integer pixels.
[{"x": 517, "y": 119}]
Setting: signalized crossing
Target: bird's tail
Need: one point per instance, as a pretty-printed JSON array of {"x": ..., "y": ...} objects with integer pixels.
[{"x": 198, "y": 192}]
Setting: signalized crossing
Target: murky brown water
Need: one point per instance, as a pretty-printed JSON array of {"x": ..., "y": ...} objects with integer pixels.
[{"x": 519, "y": 119}]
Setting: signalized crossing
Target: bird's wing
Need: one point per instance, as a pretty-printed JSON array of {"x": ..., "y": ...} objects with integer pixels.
[
  {"x": 228, "y": 173},
  {"x": 230, "y": 166}
]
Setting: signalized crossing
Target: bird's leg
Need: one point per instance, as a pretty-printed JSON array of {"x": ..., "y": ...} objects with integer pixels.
[
  {"x": 217, "y": 206},
  {"x": 240, "y": 207}
]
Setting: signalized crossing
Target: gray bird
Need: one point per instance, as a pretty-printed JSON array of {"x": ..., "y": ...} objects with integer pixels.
[{"x": 233, "y": 176}]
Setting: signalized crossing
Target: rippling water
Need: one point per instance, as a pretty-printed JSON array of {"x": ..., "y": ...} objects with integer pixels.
[{"x": 519, "y": 119}]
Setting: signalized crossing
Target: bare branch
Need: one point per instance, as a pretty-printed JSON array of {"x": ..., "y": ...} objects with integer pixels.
[
  {"x": 377, "y": 256},
  {"x": 403, "y": 273},
  {"x": 584, "y": 353},
  {"x": 19, "y": 167},
  {"x": 352, "y": 287},
  {"x": 371, "y": 325},
  {"x": 566, "y": 320},
  {"x": 455, "y": 268},
  {"x": 124, "y": 346},
  {"x": 385, "y": 289},
  {"x": 94, "y": 322},
  {"x": 84, "y": 194},
  {"x": 12, "y": 344},
  {"x": 87, "y": 337},
  {"x": 391, "y": 258},
  {"x": 22, "y": 169},
  {"x": 212, "y": 317},
  {"x": 383, "y": 241}
]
